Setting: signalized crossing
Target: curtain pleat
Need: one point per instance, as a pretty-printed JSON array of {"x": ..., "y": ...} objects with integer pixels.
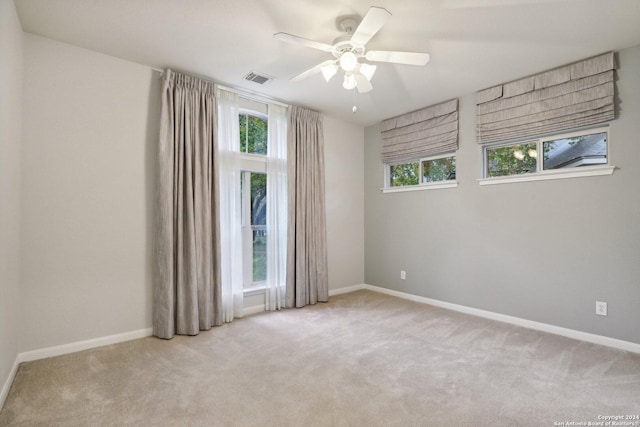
[
  {"x": 307, "y": 275},
  {"x": 277, "y": 204},
  {"x": 230, "y": 205},
  {"x": 187, "y": 280}
]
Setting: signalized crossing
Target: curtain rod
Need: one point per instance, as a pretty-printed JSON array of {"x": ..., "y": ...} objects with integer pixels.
[{"x": 242, "y": 93}]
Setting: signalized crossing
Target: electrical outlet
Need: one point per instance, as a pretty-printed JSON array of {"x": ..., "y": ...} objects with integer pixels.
[
  {"x": 601, "y": 308},
  {"x": 403, "y": 275}
]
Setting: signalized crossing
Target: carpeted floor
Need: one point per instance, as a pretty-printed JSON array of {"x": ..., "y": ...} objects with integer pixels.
[{"x": 364, "y": 359}]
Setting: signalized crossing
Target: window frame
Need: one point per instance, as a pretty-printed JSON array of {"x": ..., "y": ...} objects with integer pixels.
[
  {"x": 542, "y": 174},
  {"x": 247, "y": 232},
  {"x": 259, "y": 114},
  {"x": 434, "y": 185},
  {"x": 249, "y": 163}
]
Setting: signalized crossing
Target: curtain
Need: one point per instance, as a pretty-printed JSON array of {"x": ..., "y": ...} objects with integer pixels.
[
  {"x": 307, "y": 281},
  {"x": 186, "y": 292},
  {"x": 230, "y": 225},
  {"x": 426, "y": 132},
  {"x": 276, "y": 207},
  {"x": 576, "y": 95}
]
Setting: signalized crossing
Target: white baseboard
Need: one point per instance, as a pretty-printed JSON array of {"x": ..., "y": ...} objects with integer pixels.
[
  {"x": 59, "y": 350},
  {"x": 544, "y": 327},
  {"x": 7, "y": 384},
  {"x": 248, "y": 311},
  {"x": 346, "y": 290}
]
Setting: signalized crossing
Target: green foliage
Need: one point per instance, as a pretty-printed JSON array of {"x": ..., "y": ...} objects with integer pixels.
[
  {"x": 439, "y": 169},
  {"x": 253, "y": 134},
  {"x": 511, "y": 160},
  {"x": 259, "y": 218},
  {"x": 405, "y": 174},
  {"x": 259, "y": 257}
]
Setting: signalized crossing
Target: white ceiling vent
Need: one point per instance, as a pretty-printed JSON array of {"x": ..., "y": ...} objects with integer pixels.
[{"x": 261, "y": 79}]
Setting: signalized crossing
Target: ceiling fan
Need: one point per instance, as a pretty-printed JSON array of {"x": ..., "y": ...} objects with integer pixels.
[{"x": 349, "y": 48}]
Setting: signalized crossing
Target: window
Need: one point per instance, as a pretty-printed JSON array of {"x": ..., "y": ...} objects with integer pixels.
[
  {"x": 543, "y": 156},
  {"x": 253, "y": 190},
  {"x": 404, "y": 174},
  {"x": 512, "y": 159},
  {"x": 254, "y": 227},
  {"x": 253, "y": 132},
  {"x": 439, "y": 169},
  {"x": 426, "y": 173}
]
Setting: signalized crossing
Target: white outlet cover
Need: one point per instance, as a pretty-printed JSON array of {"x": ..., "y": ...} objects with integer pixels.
[
  {"x": 403, "y": 275},
  {"x": 601, "y": 308}
]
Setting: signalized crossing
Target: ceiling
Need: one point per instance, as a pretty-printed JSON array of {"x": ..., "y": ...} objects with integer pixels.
[{"x": 473, "y": 44}]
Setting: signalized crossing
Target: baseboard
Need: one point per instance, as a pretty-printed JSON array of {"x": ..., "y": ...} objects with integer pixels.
[
  {"x": 543, "y": 327},
  {"x": 248, "y": 311},
  {"x": 346, "y": 290},
  {"x": 7, "y": 384},
  {"x": 59, "y": 350}
]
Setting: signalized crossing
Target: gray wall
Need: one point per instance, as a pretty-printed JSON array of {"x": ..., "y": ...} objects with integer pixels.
[
  {"x": 90, "y": 131},
  {"x": 88, "y": 171},
  {"x": 543, "y": 251},
  {"x": 10, "y": 131}
]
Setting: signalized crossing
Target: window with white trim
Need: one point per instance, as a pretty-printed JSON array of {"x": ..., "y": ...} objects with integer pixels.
[
  {"x": 580, "y": 149},
  {"x": 253, "y": 187},
  {"x": 421, "y": 172}
]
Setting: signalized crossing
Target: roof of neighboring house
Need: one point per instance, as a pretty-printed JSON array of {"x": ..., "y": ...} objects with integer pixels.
[{"x": 564, "y": 153}]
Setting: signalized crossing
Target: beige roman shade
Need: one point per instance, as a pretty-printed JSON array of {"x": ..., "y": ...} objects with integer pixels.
[
  {"x": 576, "y": 95},
  {"x": 426, "y": 132}
]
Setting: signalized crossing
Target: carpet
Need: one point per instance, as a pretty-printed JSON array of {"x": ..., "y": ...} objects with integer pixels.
[{"x": 363, "y": 359}]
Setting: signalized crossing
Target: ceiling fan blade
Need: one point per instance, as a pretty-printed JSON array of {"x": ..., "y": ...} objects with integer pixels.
[
  {"x": 408, "y": 58},
  {"x": 290, "y": 38},
  {"x": 363, "y": 85},
  {"x": 375, "y": 18},
  {"x": 311, "y": 71}
]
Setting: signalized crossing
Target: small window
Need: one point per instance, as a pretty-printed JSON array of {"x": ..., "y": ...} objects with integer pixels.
[
  {"x": 253, "y": 134},
  {"x": 404, "y": 174},
  {"x": 439, "y": 169},
  {"x": 571, "y": 150},
  {"x": 512, "y": 159},
  {"x": 421, "y": 174}
]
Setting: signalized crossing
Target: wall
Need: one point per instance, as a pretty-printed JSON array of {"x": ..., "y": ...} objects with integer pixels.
[
  {"x": 91, "y": 125},
  {"x": 10, "y": 135},
  {"x": 90, "y": 128},
  {"x": 543, "y": 251},
  {"x": 344, "y": 197}
]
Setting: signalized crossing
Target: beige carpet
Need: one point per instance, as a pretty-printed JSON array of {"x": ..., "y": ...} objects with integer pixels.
[{"x": 364, "y": 359}]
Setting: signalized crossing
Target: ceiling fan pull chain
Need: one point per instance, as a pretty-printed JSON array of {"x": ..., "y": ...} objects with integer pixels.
[{"x": 354, "y": 109}]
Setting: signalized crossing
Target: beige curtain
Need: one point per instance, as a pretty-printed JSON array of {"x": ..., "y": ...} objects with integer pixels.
[
  {"x": 307, "y": 281},
  {"x": 186, "y": 294}
]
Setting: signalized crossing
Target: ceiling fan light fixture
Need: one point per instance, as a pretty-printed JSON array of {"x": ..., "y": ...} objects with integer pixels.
[
  {"x": 348, "y": 61},
  {"x": 367, "y": 70},
  {"x": 349, "y": 81},
  {"x": 329, "y": 71}
]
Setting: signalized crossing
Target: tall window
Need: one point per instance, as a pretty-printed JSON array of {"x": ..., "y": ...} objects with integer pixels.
[
  {"x": 254, "y": 227},
  {"x": 253, "y": 146}
]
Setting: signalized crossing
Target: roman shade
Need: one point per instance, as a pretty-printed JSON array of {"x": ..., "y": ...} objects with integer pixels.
[
  {"x": 576, "y": 95},
  {"x": 426, "y": 132}
]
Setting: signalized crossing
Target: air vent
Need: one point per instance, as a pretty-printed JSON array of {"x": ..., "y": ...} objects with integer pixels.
[{"x": 258, "y": 78}]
